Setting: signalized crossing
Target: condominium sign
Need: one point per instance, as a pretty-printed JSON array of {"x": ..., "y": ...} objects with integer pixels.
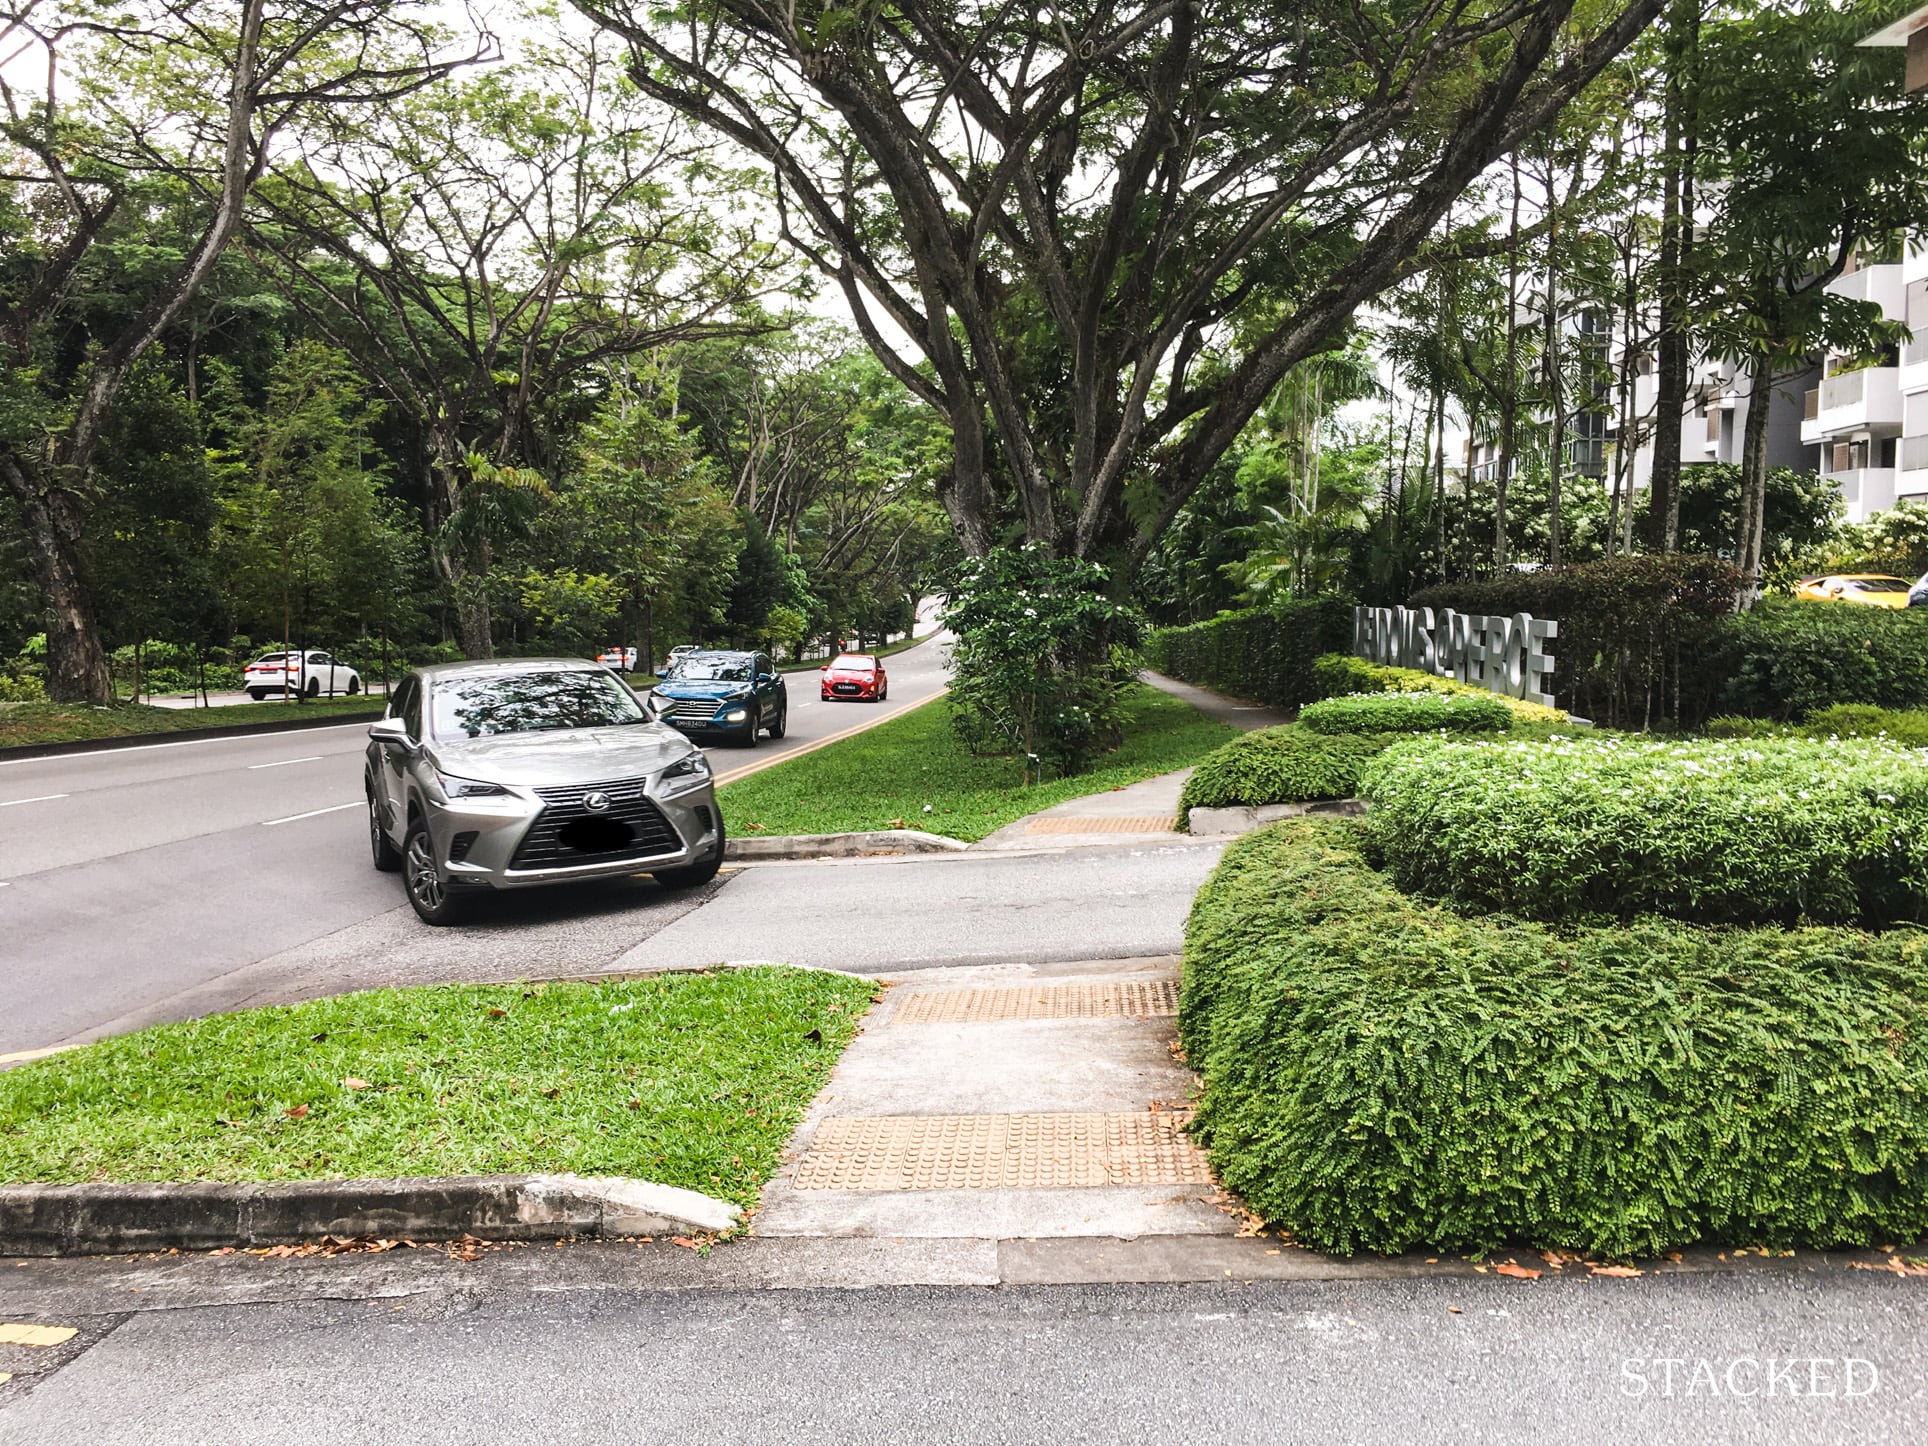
[{"x": 1509, "y": 655}]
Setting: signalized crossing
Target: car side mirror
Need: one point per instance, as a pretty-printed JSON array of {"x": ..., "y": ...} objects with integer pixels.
[
  {"x": 390, "y": 730},
  {"x": 764, "y": 677},
  {"x": 824, "y": 669}
]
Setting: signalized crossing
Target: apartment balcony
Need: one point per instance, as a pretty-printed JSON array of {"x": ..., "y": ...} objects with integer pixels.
[
  {"x": 1914, "y": 363},
  {"x": 1883, "y": 284},
  {"x": 1868, "y": 400},
  {"x": 1866, "y": 490}
]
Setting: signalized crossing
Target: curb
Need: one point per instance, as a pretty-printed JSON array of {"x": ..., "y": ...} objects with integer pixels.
[
  {"x": 1210, "y": 821},
  {"x": 183, "y": 735},
  {"x": 841, "y": 845},
  {"x": 103, "y": 1219}
]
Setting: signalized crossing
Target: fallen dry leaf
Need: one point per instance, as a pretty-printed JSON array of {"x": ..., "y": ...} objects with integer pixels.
[
  {"x": 896, "y": 823},
  {"x": 497, "y": 1013},
  {"x": 551, "y": 1094},
  {"x": 1453, "y": 1310},
  {"x": 686, "y": 1242},
  {"x": 1621, "y": 1271},
  {"x": 1517, "y": 1271},
  {"x": 634, "y": 1103},
  {"x": 299, "y": 1112},
  {"x": 351, "y": 1083}
]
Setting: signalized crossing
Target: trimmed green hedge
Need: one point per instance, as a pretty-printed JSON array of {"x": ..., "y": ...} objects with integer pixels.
[
  {"x": 1338, "y": 675},
  {"x": 1384, "y": 1074},
  {"x": 1745, "y": 831},
  {"x": 1636, "y": 633},
  {"x": 1789, "y": 657},
  {"x": 1279, "y": 765},
  {"x": 1258, "y": 654},
  {"x": 1408, "y": 713},
  {"x": 1843, "y": 720}
]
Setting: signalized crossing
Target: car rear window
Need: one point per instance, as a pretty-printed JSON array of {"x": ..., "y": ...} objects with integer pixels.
[
  {"x": 712, "y": 670},
  {"x": 530, "y": 703},
  {"x": 1877, "y": 584}
]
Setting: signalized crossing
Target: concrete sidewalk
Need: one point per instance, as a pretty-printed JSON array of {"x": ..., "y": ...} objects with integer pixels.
[{"x": 1024, "y": 1101}]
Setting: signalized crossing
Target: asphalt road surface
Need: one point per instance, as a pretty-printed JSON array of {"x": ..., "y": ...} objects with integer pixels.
[
  {"x": 169, "y": 879},
  {"x": 1830, "y": 1357}
]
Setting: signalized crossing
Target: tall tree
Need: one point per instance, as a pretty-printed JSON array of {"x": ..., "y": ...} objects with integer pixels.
[
  {"x": 190, "y": 90},
  {"x": 483, "y": 250},
  {"x": 1111, "y": 230},
  {"x": 1812, "y": 152}
]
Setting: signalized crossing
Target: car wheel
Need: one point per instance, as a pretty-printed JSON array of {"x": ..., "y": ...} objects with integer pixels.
[
  {"x": 428, "y": 894},
  {"x": 748, "y": 740},
  {"x": 255, "y": 695},
  {"x": 692, "y": 875},
  {"x": 884, "y": 697},
  {"x": 314, "y": 687},
  {"x": 387, "y": 857},
  {"x": 783, "y": 722},
  {"x": 354, "y": 686}
]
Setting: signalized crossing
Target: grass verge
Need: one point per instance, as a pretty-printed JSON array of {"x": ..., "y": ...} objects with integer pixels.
[
  {"x": 692, "y": 1079},
  {"x": 888, "y": 777},
  {"x": 24, "y": 725}
]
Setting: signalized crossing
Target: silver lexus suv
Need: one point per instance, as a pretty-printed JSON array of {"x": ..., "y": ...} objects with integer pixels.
[{"x": 532, "y": 771}]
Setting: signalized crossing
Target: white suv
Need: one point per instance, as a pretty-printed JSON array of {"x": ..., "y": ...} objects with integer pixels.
[{"x": 316, "y": 674}]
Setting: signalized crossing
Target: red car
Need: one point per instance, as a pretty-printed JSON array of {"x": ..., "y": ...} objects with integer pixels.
[{"x": 855, "y": 675}]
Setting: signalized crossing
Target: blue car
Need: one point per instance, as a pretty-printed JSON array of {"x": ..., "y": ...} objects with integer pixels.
[{"x": 713, "y": 693}]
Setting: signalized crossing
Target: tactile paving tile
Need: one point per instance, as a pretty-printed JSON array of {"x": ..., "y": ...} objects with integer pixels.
[
  {"x": 1137, "y": 999},
  {"x": 1001, "y": 1152},
  {"x": 1055, "y": 824}
]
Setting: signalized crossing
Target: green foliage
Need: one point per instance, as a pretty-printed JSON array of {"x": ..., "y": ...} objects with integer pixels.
[
  {"x": 1742, "y": 831},
  {"x": 1907, "y": 727},
  {"x": 1800, "y": 510},
  {"x": 1336, "y": 675},
  {"x": 1280, "y": 765},
  {"x": 1419, "y": 712},
  {"x": 1041, "y": 658},
  {"x": 573, "y": 612},
  {"x": 1263, "y": 653},
  {"x": 1635, "y": 632},
  {"x": 693, "y": 1080},
  {"x": 1383, "y": 1074},
  {"x": 1789, "y": 657},
  {"x": 915, "y": 772}
]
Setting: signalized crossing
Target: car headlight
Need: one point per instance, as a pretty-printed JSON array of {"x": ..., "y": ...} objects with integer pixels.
[
  {"x": 686, "y": 772},
  {"x": 453, "y": 787},
  {"x": 735, "y": 715}
]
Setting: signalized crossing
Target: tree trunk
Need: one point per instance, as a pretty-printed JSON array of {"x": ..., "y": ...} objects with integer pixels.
[
  {"x": 1676, "y": 244},
  {"x": 77, "y": 669},
  {"x": 1510, "y": 395},
  {"x": 1753, "y": 519}
]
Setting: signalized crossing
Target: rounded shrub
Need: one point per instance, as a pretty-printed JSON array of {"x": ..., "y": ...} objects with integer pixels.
[
  {"x": 1278, "y": 765},
  {"x": 1739, "y": 831},
  {"x": 1382, "y": 1074},
  {"x": 1408, "y": 713},
  {"x": 1907, "y": 727}
]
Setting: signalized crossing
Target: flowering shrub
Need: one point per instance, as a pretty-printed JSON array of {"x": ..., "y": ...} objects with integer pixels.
[
  {"x": 1279, "y": 765},
  {"x": 1338, "y": 674},
  {"x": 1408, "y": 713},
  {"x": 1381, "y": 1073},
  {"x": 1041, "y": 657},
  {"x": 1716, "y": 831}
]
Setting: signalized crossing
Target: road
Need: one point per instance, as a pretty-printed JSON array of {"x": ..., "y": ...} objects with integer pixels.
[
  {"x": 155, "y": 882},
  {"x": 563, "y": 1356}
]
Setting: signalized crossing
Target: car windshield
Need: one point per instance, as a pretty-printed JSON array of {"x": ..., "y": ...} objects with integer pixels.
[
  {"x": 854, "y": 665},
  {"x": 530, "y": 703},
  {"x": 711, "y": 670},
  {"x": 1877, "y": 584}
]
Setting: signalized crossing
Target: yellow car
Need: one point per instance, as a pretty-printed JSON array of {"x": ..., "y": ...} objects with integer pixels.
[{"x": 1872, "y": 589}]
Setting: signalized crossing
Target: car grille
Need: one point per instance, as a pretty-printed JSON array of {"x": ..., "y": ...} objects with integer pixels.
[
  {"x": 689, "y": 710},
  {"x": 566, "y": 833}
]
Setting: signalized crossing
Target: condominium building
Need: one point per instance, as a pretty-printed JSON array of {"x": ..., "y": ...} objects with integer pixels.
[{"x": 1870, "y": 422}]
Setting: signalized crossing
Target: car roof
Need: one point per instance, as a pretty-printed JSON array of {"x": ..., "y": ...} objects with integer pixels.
[
  {"x": 719, "y": 653},
  {"x": 483, "y": 667}
]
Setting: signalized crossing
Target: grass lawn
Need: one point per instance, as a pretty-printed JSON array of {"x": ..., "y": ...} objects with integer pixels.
[
  {"x": 692, "y": 1079},
  {"x": 885, "y": 777},
  {"x": 22, "y": 724}
]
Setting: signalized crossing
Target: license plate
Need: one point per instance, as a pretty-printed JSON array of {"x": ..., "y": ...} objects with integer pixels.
[{"x": 843, "y": 688}]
